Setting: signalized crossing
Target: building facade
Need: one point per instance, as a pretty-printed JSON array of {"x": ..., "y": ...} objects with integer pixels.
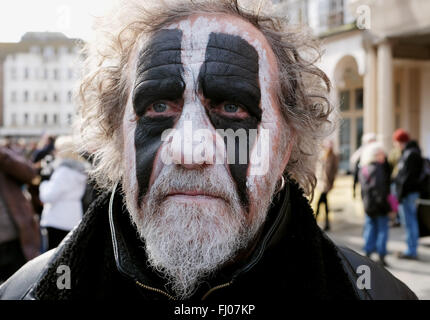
[
  {"x": 377, "y": 55},
  {"x": 37, "y": 79}
]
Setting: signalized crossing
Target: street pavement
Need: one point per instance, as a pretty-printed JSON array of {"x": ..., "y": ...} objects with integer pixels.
[{"x": 347, "y": 220}]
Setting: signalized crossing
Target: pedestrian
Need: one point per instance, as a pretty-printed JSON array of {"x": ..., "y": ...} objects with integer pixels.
[
  {"x": 407, "y": 190},
  {"x": 62, "y": 193},
  {"x": 327, "y": 170},
  {"x": 355, "y": 158},
  {"x": 393, "y": 161},
  {"x": 374, "y": 179},
  {"x": 19, "y": 227},
  {"x": 44, "y": 148}
]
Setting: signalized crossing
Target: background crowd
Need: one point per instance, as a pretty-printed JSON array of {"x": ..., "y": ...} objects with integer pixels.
[
  {"x": 44, "y": 192},
  {"x": 395, "y": 190}
]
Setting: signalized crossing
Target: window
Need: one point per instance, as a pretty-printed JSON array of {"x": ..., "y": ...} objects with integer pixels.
[
  {"x": 70, "y": 73},
  {"x": 297, "y": 12},
  {"x": 13, "y": 96},
  {"x": 69, "y": 96},
  {"x": 13, "y": 73},
  {"x": 45, "y": 118},
  {"x": 331, "y": 14},
  {"x": 36, "y": 96},
  {"x": 55, "y": 118},
  {"x": 25, "y": 96},
  {"x": 344, "y": 100},
  {"x": 359, "y": 99},
  {"x": 36, "y": 119},
  {"x": 13, "y": 120},
  {"x": 55, "y": 97},
  {"x": 25, "y": 118},
  {"x": 26, "y": 73},
  {"x": 397, "y": 93},
  {"x": 45, "y": 73},
  {"x": 45, "y": 97},
  {"x": 345, "y": 147},
  {"x": 69, "y": 118},
  {"x": 359, "y": 133},
  {"x": 56, "y": 74}
]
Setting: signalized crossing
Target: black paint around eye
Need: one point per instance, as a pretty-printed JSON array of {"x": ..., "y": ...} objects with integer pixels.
[
  {"x": 159, "y": 70},
  {"x": 230, "y": 73},
  {"x": 158, "y": 77}
]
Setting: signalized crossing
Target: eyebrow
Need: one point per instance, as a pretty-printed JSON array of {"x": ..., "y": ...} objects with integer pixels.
[{"x": 159, "y": 70}]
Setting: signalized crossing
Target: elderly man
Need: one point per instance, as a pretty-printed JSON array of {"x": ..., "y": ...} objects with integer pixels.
[{"x": 202, "y": 118}]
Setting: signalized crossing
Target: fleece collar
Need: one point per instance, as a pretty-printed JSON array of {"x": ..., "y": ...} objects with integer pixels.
[{"x": 131, "y": 260}]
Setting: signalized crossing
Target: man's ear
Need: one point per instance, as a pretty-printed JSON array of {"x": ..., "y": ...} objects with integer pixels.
[{"x": 289, "y": 148}]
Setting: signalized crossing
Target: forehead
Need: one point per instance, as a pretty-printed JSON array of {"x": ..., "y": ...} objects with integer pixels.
[{"x": 196, "y": 30}]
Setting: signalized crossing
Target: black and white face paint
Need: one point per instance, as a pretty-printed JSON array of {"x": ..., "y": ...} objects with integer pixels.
[
  {"x": 214, "y": 72},
  {"x": 227, "y": 82}
]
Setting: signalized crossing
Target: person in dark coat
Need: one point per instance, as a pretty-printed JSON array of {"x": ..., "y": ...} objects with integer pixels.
[
  {"x": 187, "y": 214},
  {"x": 327, "y": 171},
  {"x": 19, "y": 226},
  {"x": 374, "y": 178},
  {"x": 407, "y": 184}
]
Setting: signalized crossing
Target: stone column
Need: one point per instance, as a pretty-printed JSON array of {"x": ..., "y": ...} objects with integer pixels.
[
  {"x": 424, "y": 112},
  {"x": 385, "y": 106},
  {"x": 369, "y": 108}
]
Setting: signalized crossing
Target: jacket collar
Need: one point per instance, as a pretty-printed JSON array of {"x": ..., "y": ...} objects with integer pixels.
[{"x": 130, "y": 257}]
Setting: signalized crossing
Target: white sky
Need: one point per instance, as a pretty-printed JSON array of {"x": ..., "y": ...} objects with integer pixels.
[{"x": 72, "y": 17}]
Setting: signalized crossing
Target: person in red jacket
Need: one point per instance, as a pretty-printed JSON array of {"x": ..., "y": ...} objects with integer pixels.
[{"x": 407, "y": 184}]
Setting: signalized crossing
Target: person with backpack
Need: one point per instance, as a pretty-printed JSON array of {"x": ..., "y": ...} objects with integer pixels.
[
  {"x": 408, "y": 190},
  {"x": 374, "y": 177}
]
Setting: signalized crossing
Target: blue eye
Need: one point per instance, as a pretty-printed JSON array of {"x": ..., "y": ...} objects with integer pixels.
[
  {"x": 159, "y": 107},
  {"x": 231, "y": 108}
]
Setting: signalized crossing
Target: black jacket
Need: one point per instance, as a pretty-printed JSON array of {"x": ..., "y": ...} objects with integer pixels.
[
  {"x": 375, "y": 188},
  {"x": 294, "y": 259},
  {"x": 410, "y": 166}
]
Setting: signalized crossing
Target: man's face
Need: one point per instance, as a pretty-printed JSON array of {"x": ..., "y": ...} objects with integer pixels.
[{"x": 192, "y": 82}]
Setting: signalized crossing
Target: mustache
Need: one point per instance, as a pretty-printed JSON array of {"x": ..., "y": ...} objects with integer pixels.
[{"x": 213, "y": 182}]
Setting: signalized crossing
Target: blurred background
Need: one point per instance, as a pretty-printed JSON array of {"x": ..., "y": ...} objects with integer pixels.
[{"x": 376, "y": 53}]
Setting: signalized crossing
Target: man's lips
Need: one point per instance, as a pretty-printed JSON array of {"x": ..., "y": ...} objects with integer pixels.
[{"x": 194, "y": 195}]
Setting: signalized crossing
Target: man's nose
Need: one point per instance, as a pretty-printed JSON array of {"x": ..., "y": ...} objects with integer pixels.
[{"x": 194, "y": 144}]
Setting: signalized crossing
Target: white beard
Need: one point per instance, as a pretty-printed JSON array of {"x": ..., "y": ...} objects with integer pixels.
[{"x": 188, "y": 241}]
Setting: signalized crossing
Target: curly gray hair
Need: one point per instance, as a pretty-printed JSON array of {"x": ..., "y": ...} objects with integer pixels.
[{"x": 302, "y": 89}]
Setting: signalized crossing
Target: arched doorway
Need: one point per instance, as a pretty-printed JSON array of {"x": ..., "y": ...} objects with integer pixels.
[{"x": 348, "y": 85}]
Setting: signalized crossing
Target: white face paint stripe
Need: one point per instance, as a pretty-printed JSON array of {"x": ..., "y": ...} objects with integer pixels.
[{"x": 194, "y": 41}]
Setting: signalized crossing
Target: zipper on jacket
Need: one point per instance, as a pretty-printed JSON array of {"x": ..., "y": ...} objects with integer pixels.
[
  {"x": 173, "y": 298},
  {"x": 216, "y": 288},
  {"x": 155, "y": 290}
]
